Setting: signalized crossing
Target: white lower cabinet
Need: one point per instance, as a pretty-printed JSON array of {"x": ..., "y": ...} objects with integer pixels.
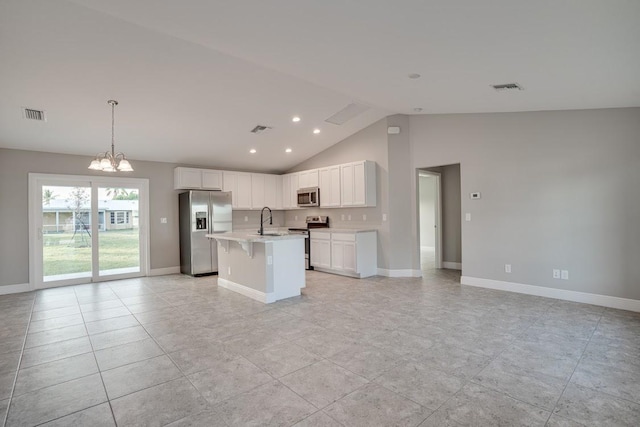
[
  {"x": 350, "y": 253},
  {"x": 321, "y": 253}
]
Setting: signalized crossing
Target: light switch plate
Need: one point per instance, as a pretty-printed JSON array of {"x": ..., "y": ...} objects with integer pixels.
[
  {"x": 384, "y": 217},
  {"x": 564, "y": 274},
  {"x": 246, "y": 218},
  {"x": 364, "y": 217},
  {"x": 507, "y": 268},
  {"x": 467, "y": 217},
  {"x": 163, "y": 220},
  {"x": 556, "y": 273}
]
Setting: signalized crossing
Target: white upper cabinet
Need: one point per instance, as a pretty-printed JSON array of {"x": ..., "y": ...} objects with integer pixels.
[
  {"x": 266, "y": 190},
  {"x": 272, "y": 191},
  {"x": 257, "y": 190},
  {"x": 329, "y": 187},
  {"x": 358, "y": 184},
  {"x": 308, "y": 178},
  {"x": 196, "y": 179},
  {"x": 290, "y": 186},
  {"x": 211, "y": 180},
  {"x": 239, "y": 183},
  {"x": 346, "y": 185}
]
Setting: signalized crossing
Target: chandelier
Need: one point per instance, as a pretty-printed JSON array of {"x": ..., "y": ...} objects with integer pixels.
[{"x": 110, "y": 161}]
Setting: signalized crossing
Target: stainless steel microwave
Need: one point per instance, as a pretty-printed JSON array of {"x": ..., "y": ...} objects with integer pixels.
[{"x": 309, "y": 197}]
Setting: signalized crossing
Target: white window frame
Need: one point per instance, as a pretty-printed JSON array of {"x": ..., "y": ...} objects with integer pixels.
[{"x": 36, "y": 180}]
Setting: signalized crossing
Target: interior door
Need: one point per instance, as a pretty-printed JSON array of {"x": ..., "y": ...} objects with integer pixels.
[{"x": 86, "y": 229}]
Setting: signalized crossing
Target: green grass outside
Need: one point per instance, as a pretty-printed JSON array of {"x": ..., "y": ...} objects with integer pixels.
[{"x": 64, "y": 255}]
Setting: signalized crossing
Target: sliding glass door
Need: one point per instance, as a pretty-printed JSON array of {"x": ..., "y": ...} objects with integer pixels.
[
  {"x": 119, "y": 235},
  {"x": 87, "y": 229}
]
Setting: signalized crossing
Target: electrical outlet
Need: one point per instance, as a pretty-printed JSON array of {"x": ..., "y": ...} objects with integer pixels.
[
  {"x": 556, "y": 273},
  {"x": 342, "y": 217},
  {"x": 507, "y": 268},
  {"x": 246, "y": 218},
  {"x": 364, "y": 217},
  {"x": 163, "y": 220},
  {"x": 295, "y": 218},
  {"x": 349, "y": 217},
  {"x": 564, "y": 274},
  {"x": 269, "y": 260},
  {"x": 384, "y": 217},
  {"x": 467, "y": 217}
]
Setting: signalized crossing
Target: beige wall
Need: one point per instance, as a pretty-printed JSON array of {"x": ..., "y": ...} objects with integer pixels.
[
  {"x": 559, "y": 190},
  {"x": 15, "y": 166}
]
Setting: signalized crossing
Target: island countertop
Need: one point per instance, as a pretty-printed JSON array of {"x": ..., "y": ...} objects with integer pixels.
[{"x": 244, "y": 236}]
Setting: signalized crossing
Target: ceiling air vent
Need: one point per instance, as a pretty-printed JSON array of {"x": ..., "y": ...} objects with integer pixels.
[
  {"x": 260, "y": 129},
  {"x": 347, "y": 113},
  {"x": 507, "y": 86},
  {"x": 31, "y": 114}
]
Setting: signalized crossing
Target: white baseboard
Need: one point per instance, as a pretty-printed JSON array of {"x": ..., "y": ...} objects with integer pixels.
[
  {"x": 15, "y": 289},
  {"x": 399, "y": 273},
  {"x": 247, "y": 291},
  {"x": 164, "y": 271},
  {"x": 583, "y": 297},
  {"x": 452, "y": 265}
]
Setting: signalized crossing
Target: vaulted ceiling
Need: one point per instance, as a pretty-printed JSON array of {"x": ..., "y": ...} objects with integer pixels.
[{"x": 194, "y": 77}]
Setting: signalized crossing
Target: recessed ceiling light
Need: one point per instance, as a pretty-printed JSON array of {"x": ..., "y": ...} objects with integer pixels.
[
  {"x": 253, "y": 151},
  {"x": 417, "y": 110},
  {"x": 295, "y": 119},
  {"x": 414, "y": 76},
  {"x": 288, "y": 150},
  {"x": 316, "y": 131}
]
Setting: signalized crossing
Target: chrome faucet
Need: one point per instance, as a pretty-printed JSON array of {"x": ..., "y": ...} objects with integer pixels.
[{"x": 262, "y": 221}]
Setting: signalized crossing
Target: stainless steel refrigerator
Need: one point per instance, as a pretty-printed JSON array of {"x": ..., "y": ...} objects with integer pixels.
[{"x": 202, "y": 213}]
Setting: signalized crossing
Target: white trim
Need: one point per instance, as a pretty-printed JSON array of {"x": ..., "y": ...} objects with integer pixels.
[
  {"x": 15, "y": 289},
  {"x": 583, "y": 297},
  {"x": 35, "y": 223},
  {"x": 247, "y": 291},
  {"x": 399, "y": 273},
  {"x": 452, "y": 265},
  {"x": 164, "y": 271}
]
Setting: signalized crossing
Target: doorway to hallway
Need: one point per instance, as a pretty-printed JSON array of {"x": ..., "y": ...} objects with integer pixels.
[{"x": 439, "y": 217}]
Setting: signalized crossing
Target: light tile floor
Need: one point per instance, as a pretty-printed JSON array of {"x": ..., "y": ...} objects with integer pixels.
[{"x": 405, "y": 352}]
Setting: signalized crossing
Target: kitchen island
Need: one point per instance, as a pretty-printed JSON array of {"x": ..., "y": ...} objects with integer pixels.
[{"x": 266, "y": 268}]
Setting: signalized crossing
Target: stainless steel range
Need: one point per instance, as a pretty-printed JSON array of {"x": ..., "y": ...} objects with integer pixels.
[{"x": 312, "y": 222}]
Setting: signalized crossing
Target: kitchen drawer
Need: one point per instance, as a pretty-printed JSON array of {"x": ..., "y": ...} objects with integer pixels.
[
  {"x": 319, "y": 235},
  {"x": 344, "y": 237}
]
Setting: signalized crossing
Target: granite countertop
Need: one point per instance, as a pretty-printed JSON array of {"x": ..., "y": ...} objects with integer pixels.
[
  {"x": 249, "y": 236},
  {"x": 343, "y": 230}
]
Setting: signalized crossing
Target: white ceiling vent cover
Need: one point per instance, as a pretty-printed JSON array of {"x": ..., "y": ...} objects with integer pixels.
[
  {"x": 347, "y": 113},
  {"x": 260, "y": 129},
  {"x": 507, "y": 86},
  {"x": 31, "y": 114}
]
